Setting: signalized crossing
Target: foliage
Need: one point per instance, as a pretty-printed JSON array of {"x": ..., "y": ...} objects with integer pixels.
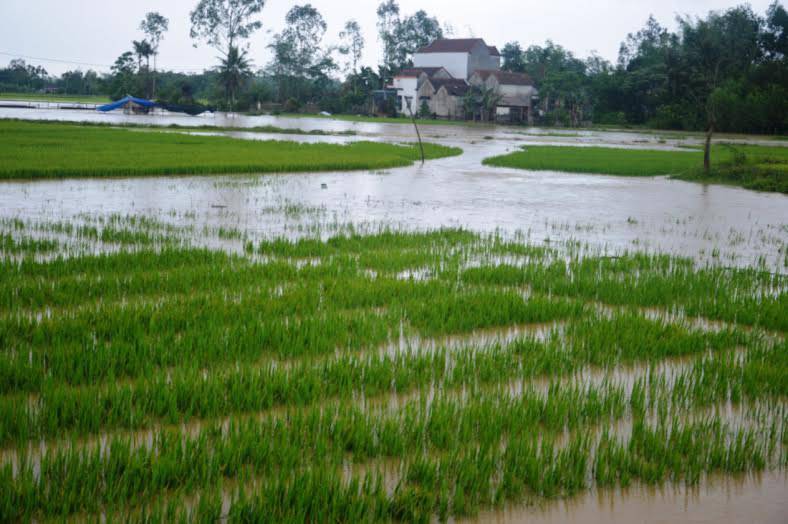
[
  {"x": 403, "y": 36},
  {"x": 726, "y": 71},
  {"x": 233, "y": 71},
  {"x": 299, "y": 65},
  {"x": 352, "y": 45},
  {"x": 223, "y": 23}
]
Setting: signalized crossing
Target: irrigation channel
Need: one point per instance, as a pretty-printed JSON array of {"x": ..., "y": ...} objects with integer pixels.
[{"x": 448, "y": 341}]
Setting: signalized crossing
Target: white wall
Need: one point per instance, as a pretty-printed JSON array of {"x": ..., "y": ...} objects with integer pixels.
[
  {"x": 525, "y": 92},
  {"x": 455, "y": 63},
  {"x": 406, "y": 87}
]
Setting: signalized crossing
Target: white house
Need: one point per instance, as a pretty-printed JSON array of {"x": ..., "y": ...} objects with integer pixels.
[
  {"x": 461, "y": 57},
  {"x": 408, "y": 81},
  {"x": 443, "y": 72}
]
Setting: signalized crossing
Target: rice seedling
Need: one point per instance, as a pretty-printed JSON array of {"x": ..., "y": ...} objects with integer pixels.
[
  {"x": 753, "y": 167},
  {"x": 47, "y": 150},
  {"x": 151, "y": 380}
]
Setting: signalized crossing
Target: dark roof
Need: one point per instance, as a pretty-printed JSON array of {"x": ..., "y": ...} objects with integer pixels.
[
  {"x": 452, "y": 45},
  {"x": 418, "y": 71},
  {"x": 454, "y": 87},
  {"x": 506, "y": 78},
  {"x": 493, "y": 50}
]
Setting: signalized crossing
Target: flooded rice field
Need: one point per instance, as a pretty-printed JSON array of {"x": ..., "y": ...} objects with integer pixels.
[
  {"x": 447, "y": 342},
  {"x": 711, "y": 223}
]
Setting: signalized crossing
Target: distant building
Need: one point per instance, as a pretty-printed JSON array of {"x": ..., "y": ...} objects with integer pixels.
[
  {"x": 460, "y": 57},
  {"x": 444, "y": 72},
  {"x": 444, "y": 97},
  {"x": 407, "y": 83},
  {"x": 516, "y": 93}
]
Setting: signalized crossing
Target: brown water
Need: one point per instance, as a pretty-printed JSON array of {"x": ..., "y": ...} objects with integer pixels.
[{"x": 754, "y": 499}]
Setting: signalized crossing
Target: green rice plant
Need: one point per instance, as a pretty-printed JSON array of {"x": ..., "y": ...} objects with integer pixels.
[
  {"x": 46, "y": 150},
  {"x": 163, "y": 382},
  {"x": 763, "y": 168}
]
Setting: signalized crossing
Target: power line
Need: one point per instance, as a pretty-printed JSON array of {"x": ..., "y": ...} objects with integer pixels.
[{"x": 181, "y": 69}]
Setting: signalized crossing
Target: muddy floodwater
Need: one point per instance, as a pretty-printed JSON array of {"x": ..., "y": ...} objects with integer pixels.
[
  {"x": 755, "y": 499},
  {"x": 728, "y": 225}
]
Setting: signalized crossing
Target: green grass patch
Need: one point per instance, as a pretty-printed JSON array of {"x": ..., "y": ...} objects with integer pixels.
[
  {"x": 753, "y": 167},
  {"x": 47, "y": 150}
]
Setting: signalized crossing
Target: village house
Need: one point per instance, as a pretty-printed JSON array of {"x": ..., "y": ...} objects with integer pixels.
[
  {"x": 444, "y": 98},
  {"x": 444, "y": 71},
  {"x": 408, "y": 81},
  {"x": 515, "y": 93},
  {"x": 460, "y": 57}
]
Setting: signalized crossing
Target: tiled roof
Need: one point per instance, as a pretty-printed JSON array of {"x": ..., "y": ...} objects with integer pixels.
[
  {"x": 452, "y": 45},
  {"x": 506, "y": 78},
  {"x": 453, "y": 86},
  {"x": 493, "y": 50}
]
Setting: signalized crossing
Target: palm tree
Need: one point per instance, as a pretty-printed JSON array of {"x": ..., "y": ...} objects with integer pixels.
[
  {"x": 481, "y": 100},
  {"x": 144, "y": 50},
  {"x": 490, "y": 99},
  {"x": 233, "y": 70}
]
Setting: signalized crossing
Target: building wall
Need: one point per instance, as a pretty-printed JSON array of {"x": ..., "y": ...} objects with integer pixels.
[
  {"x": 445, "y": 105},
  {"x": 427, "y": 93},
  {"x": 455, "y": 63},
  {"x": 480, "y": 59},
  {"x": 523, "y": 92},
  {"x": 405, "y": 86},
  {"x": 507, "y": 90}
]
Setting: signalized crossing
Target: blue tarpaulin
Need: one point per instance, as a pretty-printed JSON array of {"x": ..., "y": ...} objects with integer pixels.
[{"x": 128, "y": 100}]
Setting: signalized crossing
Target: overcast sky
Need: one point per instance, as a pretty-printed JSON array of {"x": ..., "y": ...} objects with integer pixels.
[{"x": 95, "y": 32}]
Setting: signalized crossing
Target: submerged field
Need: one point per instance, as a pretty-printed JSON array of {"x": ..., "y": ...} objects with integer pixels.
[
  {"x": 47, "y": 150},
  {"x": 371, "y": 376},
  {"x": 752, "y": 167}
]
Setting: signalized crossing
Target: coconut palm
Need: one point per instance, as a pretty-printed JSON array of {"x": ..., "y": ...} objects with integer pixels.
[
  {"x": 233, "y": 70},
  {"x": 143, "y": 50}
]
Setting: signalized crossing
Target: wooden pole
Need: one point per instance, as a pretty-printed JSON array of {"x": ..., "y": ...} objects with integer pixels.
[{"x": 418, "y": 134}]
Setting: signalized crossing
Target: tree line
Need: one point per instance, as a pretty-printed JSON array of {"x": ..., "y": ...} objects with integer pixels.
[{"x": 726, "y": 71}]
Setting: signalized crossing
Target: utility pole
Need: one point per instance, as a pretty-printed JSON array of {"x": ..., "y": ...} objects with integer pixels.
[{"x": 408, "y": 100}]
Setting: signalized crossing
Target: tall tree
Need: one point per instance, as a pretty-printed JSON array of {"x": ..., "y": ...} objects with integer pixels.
[
  {"x": 154, "y": 25},
  {"x": 721, "y": 47},
  {"x": 513, "y": 59},
  {"x": 388, "y": 20},
  {"x": 123, "y": 76},
  {"x": 222, "y": 24},
  {"x": 401, "y": 37},
  {"x": 299, "y": 61},
  {"x": 143, "y": 50},
  {"x": 414, "y": 32},
  {"x": 775, "y": 39},
  {"x": 352, "y": 44}
]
